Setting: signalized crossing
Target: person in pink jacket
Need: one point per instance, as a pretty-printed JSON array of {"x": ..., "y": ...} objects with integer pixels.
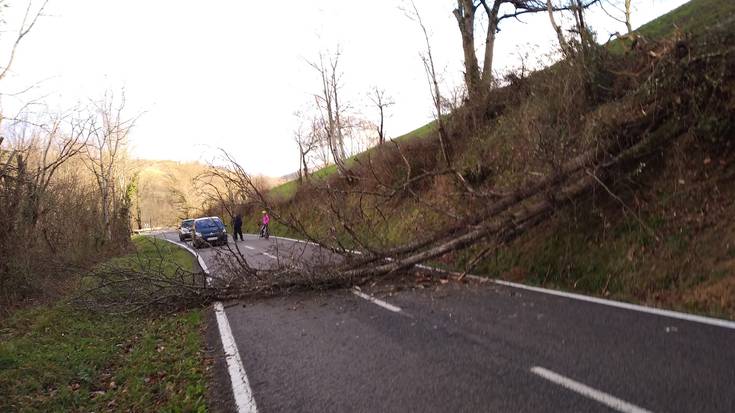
[{"x": 264, "y": 232}]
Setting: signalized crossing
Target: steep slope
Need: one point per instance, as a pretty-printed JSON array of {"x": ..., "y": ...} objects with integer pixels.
[{"x": 657, "y": 228}]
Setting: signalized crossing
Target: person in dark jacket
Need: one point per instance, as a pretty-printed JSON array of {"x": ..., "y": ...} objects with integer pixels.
[{"x": 237, "y": 226}]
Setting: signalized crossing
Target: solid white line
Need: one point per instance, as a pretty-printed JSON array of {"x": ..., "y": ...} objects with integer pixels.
[
  {"x": 387, "y": 306},
  {"x": 589, "y": 392},
  {"x": 240, "y": 385},
  {"x": 241, "y": 391},
  {"x": 270, "y": 256},
  {"x": 618, "y": 304},
  {"x": 657, "y": 311},
  {"x": 201, "y": 262},
  {"x": 610, "y": 303}
]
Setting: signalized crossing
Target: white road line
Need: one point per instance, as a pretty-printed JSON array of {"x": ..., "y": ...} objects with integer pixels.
[
  {"x": 650, "y": 310},
  {"x": 387, "y": 306},
  {"x": 241, "y": 391},
  {"x": 295, "y": 240},
  {"x": 601, "y": 301},
  {"x": 240, "y": 384},
  {"x": 202, "y": 264},
  {"x": 575, "y": 386},
  {"x": 618, "y": 304},
  {"x": 270, "y": 256},
  {"x": 249, "y": 247}
]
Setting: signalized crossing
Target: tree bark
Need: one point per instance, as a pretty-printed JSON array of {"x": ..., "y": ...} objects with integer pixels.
[
  {"x": 492, "y": 29},
  {"x": 465, "y": 15},
  {"x": 559, "y": 35}
]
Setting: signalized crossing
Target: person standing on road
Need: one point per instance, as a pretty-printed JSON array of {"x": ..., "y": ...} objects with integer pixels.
[
  {"x": 264, "y": 233},
  {"x": 237, "y": 226}
]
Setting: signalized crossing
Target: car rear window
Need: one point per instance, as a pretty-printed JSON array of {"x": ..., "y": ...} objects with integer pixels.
[{"x": 206, "y": 224}]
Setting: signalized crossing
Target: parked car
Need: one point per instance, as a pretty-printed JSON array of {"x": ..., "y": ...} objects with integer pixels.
[
  {"x": 209, "y": 231},
  {"x": 185, "y": 229}
]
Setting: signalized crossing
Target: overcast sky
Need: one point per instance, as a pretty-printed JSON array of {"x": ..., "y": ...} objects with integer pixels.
[{"x": 231, "y": 74}]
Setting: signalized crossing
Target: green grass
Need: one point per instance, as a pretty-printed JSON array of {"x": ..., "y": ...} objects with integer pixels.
[
  {"x": 288, "y": 189},
  {"x": 695, "y": 16},
  {"x": 62, "y": 358},
  {"x": 150, "y": 250},
  {"x": 418, "y": 133}
]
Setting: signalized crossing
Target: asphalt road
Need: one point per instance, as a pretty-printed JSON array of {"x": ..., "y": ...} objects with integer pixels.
[{"x": 476, "y": 347}]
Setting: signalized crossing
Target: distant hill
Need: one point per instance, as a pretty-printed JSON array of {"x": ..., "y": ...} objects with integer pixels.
[{"x": 168, "y": 191}]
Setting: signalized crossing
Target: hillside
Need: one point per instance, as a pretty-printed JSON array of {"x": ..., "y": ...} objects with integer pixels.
[
  {"x": 653, "y": 227},
  {"x": 693, "y": 17},
  {"x": 169, "y": 191}
]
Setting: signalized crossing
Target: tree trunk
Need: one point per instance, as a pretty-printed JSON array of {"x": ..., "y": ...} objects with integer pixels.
[
  {"x": 138, "y": 218},
  {"x": 492, "y": 29},
  {"x": 509, "y": 222},
  {"x": 465, "y": 14},
  {"x": 381, "y": 136},
  {"x": 306, "y": 168},
  {"x": 559, "y": 34}
]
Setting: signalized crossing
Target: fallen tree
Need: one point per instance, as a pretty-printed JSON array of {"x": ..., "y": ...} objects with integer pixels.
[{"x": 671, "y": 92}]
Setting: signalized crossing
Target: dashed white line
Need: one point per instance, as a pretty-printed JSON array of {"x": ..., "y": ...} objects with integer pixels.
[
  {"x": 270, "y": 256},
  {"x": 296, "y": 240},
  {"x": 589, "y": 392},
  {"x": 611, "y": 303},
  {"x": 249, "y": 247},
  {"x": 387, "y": 306}
]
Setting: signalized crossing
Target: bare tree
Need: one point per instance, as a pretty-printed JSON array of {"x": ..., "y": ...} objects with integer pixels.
[
  {"x": 479, "y": 81},
  {"x": 465, "y": 15},
  {"x": 566, "y": 49},
  {"x": 308, "y": 138},
  {"x": 328, "y": 104},
  {"x": 577, "y": 7},
  {"x": 109, "y": 131},
  {"x": 428, "y": 59},
  {"x": 29, "y": 20},
  {"x": 625, "y": 10},
  {"x": 54, "y": 146},
  {"x": 381, "y": 101}
]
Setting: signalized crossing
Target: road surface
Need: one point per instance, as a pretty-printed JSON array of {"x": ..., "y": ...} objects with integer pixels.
[{"x": 476, "y": 347}]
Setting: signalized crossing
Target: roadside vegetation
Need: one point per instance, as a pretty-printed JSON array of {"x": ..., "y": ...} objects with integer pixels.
[
  {"x": 62, "y": 357},
  {"x": 287, "y": 190},
  {"x": 497, "y": 187}
]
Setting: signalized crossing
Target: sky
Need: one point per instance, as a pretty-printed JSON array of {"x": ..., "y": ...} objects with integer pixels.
[{"x": 232, "y": 73}]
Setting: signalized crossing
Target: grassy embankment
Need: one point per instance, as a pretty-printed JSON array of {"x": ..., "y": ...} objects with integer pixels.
[
  {"x": 666, "y": 234},
  {"x": 62, "y": 358},
  {"x": 670, "y": 239}
]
